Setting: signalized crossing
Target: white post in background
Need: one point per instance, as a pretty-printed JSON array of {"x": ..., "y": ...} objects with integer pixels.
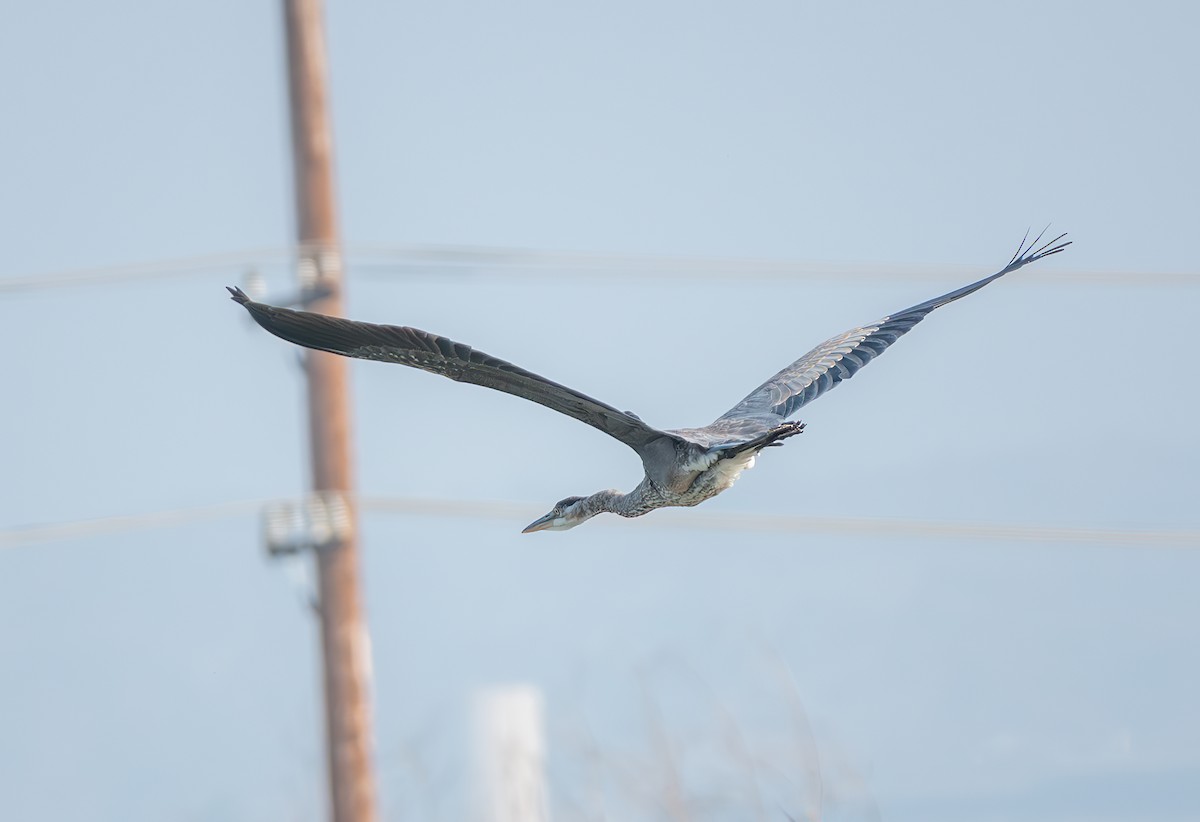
[{"x": 510, "y": 755}]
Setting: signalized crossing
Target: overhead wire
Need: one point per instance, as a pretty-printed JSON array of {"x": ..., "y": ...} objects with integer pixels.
[
  {"x": 122, "y": 523},
  {"x": 672, "y": 520},
  {"x": 497, "y": 262},
  {"x": 160, "y": 269},
  {"x": 500, "y": 263}
]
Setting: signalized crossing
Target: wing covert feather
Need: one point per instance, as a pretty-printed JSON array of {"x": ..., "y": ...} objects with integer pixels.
[
  {"x": 839, "y": 358},
  {"x": 834, "y": 360}
]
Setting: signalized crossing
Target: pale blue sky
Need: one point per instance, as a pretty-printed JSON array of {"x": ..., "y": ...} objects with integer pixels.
[{"x": 171, "y": 673}]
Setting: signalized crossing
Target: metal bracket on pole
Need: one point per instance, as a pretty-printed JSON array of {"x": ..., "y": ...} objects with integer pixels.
[
  {"x": 317, "y": 523},
  {"x": 319, "y": 271}
]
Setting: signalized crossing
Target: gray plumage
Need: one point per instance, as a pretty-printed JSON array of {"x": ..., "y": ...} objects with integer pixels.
[{"x": 683, "y": 466}]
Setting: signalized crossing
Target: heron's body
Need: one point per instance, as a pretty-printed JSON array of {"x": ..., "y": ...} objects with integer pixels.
[
  {"x": 684, "y": 467},
  {"x": 720, "y": 475}
]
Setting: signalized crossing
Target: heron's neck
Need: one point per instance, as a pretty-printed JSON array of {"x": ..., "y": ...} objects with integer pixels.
[
  {"x": 601, "y": 502},
  {"x": 614, "y": 502}
]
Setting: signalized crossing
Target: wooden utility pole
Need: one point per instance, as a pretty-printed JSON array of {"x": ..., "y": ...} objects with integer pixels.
[{"x": 344, "y": 637}]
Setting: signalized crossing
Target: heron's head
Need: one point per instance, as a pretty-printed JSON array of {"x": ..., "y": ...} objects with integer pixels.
[{"x": 565, "y": 514}]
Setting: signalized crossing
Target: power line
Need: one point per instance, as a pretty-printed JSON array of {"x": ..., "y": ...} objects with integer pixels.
[
  {"x": 1186, "y": 538},
  {"x": 101, "y": 526},
  {"x": 506, "y": 264},
  {"x": 777, "y": 523},
  {"x": 162, "y": 269}
]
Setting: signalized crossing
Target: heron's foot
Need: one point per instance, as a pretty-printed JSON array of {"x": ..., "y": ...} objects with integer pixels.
[
  {"x": 773, "y": 437},
  {"x": 783, "y": 431}
]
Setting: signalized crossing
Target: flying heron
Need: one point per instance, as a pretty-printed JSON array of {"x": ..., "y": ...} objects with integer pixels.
[{"x": 684, "y": 467}]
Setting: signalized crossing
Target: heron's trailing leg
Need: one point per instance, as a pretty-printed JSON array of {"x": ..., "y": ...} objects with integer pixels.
[{"x": 773, "y": 437}]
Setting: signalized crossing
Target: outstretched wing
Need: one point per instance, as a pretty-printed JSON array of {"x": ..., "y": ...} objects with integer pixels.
[
  {"x": 420, "y": 349},
  {"x": 840, "y": 358}
]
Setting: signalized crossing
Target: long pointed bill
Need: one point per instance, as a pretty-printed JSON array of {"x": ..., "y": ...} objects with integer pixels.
[{"x": 539, "y": 524}]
